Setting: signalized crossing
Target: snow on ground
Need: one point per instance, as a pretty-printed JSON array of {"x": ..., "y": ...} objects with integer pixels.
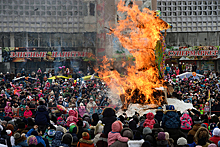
[{"x": 143, "y": 109}]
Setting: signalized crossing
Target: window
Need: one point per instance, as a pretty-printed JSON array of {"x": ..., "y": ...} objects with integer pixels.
[
  {"x": 55, "y": 40},
  {"x": 44, "y": 40},
  {"x": 4, "y": 39},
  {"x": 32, "y": 39},
  {"x": 20, "y": 39},
  {"x": 92, "y": 9}
]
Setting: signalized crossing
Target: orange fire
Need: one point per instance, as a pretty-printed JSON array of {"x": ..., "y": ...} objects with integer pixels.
[{"x": 139, "y": 33}]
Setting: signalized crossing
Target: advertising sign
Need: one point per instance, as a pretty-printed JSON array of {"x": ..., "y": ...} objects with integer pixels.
[{"x": 194, "y": 53}]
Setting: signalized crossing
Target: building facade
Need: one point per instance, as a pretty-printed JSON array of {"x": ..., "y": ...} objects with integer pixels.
[
  {"x": 195, "y": 24},
  {"x": 53, "y": 26}
]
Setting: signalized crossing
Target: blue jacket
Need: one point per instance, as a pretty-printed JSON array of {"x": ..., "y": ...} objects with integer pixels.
[
  {"x": 192, "y": 144},
  {"x": 39, "y": 138},
  {"x": 42, "y": 117},
  {"x": 57, "y": 139},
  {"x": 171, "y": 119}
]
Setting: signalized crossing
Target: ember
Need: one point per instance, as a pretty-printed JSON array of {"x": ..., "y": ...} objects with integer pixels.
[{"x": 138, "y": 33}]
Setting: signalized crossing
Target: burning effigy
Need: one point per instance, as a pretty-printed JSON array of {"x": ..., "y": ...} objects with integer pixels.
[{"x": 139, "y": 33}]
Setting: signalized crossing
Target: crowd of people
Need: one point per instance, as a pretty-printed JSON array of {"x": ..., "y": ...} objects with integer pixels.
[{"x": 30, "y": 116}]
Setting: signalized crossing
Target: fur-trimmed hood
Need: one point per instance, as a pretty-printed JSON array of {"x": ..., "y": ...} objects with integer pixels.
[
  {"x": 202, "y": 133},
  {"x": 169, "y": 111},
  {"x": 19, "y": 140},
  {"x": 108, "y": 112},
  {"x": 98, "y": 128},
  {"x": 85, "y": 141}
]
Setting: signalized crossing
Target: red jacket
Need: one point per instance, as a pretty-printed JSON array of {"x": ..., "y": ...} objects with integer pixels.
[
  {"x": 215, "y": 139},
  {"x": 27, "y": 113},
  {"x": 149, "y": 122}
]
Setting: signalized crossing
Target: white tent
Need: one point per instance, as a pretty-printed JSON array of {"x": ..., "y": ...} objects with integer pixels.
[{"x": 189, "y": 74}]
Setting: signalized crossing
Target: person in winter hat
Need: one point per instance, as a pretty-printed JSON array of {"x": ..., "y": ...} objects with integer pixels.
[
  {"x": 73, "y": 130},
  {"x": 95, "y": 119},
  {"x": 27, "y": 112},
  {"x": 32, "y": 140},
  {"x": 84, "y": 141},
  {"x": 194, "y": 130},
  {"x": 21, "y": 112},
  {"x": 20, "y": 140},
  {"x": 73, "y": 117},
  {"x": 159, "y": 115},
  {"x": 202, "y": 137},
  {"x": 216, "y": 136},
  {"x": 8, "y": 109},
  {"x": 57, "y": 139},
  {"x": 42, "y": 116},
  {"x": 161, "y": 140},
  {"x": 182, "y": 142},
  {"x": 126, "y": 132},
  {"x": 108, "y": 118},
  {"x": 36, "y": 134},
  {"x": 60, "y": 121},
  {"x": 67, "y": 140},
  {"x": 148, "y": 138},
  {"x": 81, "y": 109},
  {"x": 49, "y": 135},
  {"x": 156, "y": 129},
  {"x": 97, "y": 132},
  {"x": 115, "y": 135},
  {"x": 170, "y": 140},
  {"x": 171, "y": 118},
  {"x": 149, "y": 122}
]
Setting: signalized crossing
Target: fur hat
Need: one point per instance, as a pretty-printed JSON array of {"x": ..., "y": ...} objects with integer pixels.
[
  {"x": 146, "y": 131},
  {"x": 161, "y": 136},
  {"x": 32, "y": 140},
  {"x": 216, "y": 132},
  {"x": 167, "y": 135},
  {"x": 181, "y": 141}
]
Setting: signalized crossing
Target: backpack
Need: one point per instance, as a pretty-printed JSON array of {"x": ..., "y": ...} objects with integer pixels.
[{"x": 186, "y": 122}]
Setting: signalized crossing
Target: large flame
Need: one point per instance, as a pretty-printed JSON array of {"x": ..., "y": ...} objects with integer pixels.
[{"x": 138, "y": 33}]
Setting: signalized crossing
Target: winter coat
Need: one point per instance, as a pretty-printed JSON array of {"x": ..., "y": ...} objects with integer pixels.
[
  {"x": 27, "y": 113},
  {"x": 171, "y": 119},
  {"x": 39, "y": 138},
  {"x": 8, "y": 109},
  {"x": 21, "y": 113},
  {"x": 126, "y": 132},
  {"x": 85, "y": 142},
  {"x": 42, "y": 117},
  {"x": 73, "y": 117},
  {"x": 186, "y": 122},
  {"x": 98, "y": 131},
  {"x": 15, "y": 110},
  {"x": 21, "y": 142},
  {"x": 82, "y": 110},
  {"x": 162, "y": 143},
  {"x": 108, "y": 118},
  {"x": 90, "y": 107},
  {"x": 2, "y": 114},
  {"x": 57, "y": 139},
  {"x": 215, "y": 139},
  {"x": 194, "y": 130},
  {"x": 202, "y": 136},
  {"x": 103, "y": 141},
  {"x": 61, "y": 122},
  {"x": 159, "y": 115},
  {"x": 115, "y": 135},
  {"x": 149, "y": 122},
  {"x": 175, "y": 134}
]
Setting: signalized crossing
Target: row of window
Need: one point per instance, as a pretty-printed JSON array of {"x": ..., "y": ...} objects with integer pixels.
[
  {"x": 214, "y": 2},
  {"x": 200, "y": 8},
  {"x": 38, "y": 2},
  {"x": 49, "y": 40},
  {"x": 195, "y": 13},
  {"x": 59, "y": 8}
]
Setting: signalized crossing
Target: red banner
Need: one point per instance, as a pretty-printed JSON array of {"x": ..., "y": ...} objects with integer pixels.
[
  {"x": 68, "y": 54},
  {"x": 194, "y": 53}
]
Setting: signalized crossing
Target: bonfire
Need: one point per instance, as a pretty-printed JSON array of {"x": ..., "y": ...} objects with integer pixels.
[{"x": 139, "y": 33}]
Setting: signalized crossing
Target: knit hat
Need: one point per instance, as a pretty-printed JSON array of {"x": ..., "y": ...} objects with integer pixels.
[
  {"x": 212, "y": 145},
  {"x": 146, "y": 131},
  {"x": 117, "y": 126},
  {"x": 216, "y": 132},
  {"x": 32, "y": 140},
  {"x": 167, "y": 135},
  {"x": 9, "y": 132},
  {"x": 11, "y": 122},
  {"x": 161, "y": 136},
  {"x": 171, "y": 107},
  {"x": 51, "y": 133},
  {"x": 73, "y": 129},
  {"x": 181, "y": 141},
  {"x": 85, "y": 135}
]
